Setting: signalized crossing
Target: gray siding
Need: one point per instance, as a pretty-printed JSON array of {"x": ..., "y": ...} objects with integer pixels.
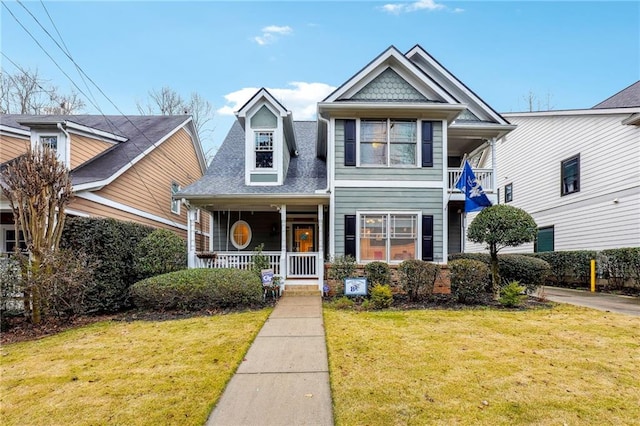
[
  {"x": 350, "y": 200},
  {"x": 263, "y": 177},
  {"x": 389, "y": 173},
  {"x": 261, "y": 223}
]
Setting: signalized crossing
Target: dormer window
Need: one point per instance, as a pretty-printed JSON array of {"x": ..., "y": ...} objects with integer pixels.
[
  {"x": 264, "y": 150},
  {"x": 49, "y": 141}
]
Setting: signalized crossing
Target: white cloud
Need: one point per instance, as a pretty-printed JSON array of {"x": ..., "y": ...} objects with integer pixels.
[
  {"x": 458, "y": 10},
  {"x": 270, "y": 34},
  {"x": 300, "y": 98},
  {"x": 397, "y": 8}
]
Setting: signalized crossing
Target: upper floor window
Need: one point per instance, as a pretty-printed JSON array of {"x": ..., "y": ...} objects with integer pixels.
[
  {"x": 264, "y": 150},
  {"x": 49, "y": 141},
  {"x": 388, "y": 142},
  {"x": 508, "y": 193},
  {"x": 175, "y": 203},
  {"x": 570, "y": 175}
]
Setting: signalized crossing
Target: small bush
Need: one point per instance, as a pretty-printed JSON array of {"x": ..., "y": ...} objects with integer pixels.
[
  {"x": 381, "y": 296},
  {"x": 342, "y": 303},
  {"x": 469, "y": 280},
  {"x": 378, "y": 273},
  {"x": 342, "y": 267},
  {"x": 418, "y": 278},
  {"x": 511, "y": 295},
  {"x": 621, "y": 265},
  {"x": 197, "y": 289},
  {"x": 160, "y": 252},
  {"x": 260, "y": 261}
]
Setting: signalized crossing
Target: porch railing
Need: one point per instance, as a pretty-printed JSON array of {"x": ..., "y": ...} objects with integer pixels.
[
  {"x": 484, "y": 177},
  {"x": 237, "y": 260},
  {"x": 302, "y": 265}
]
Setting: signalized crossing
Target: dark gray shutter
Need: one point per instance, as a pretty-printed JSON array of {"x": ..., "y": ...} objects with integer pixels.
[
  {"x": 350, "y": 235},
  {"x": 427, "y": 238},
  {"x": 427, "y": 144},
  {"x": 349, "y": 142}
]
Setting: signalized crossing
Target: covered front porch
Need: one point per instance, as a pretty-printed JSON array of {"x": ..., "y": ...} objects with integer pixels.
[{"x": 291, "y": 234}]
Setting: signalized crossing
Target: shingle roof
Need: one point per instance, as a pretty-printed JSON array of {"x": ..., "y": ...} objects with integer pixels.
[
  {"x": 141, "y": 132},
  {"x": 225, "y": 175},
  {"x": 626, "y": 98}
]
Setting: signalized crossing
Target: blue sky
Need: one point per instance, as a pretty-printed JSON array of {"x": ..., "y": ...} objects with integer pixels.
[{"x": 569, "y": 54}]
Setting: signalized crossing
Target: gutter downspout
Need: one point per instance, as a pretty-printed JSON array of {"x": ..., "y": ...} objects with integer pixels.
[{"x": 67, "y": 145}]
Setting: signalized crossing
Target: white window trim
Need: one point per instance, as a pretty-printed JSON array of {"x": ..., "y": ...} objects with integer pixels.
[
  {"x": 197, "y": 216},
  {"x": 273, "y": 149},
  {"x": 233, "y": 240},
  {"x": 417, "y": 213},
  {"x": 175, "y": 203},
  {"x": 418, "y": 157},
  {"x": 3, "y": 237},
  {"x": 63, "y": 149},
  {"x": 250, "y": 152}
]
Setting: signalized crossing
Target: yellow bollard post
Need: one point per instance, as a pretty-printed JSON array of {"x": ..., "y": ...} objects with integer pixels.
[{"x": 593, "y": 275}]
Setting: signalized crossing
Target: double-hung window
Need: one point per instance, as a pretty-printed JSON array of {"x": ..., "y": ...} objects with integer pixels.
[
  {"x": 388, "y": 237},
  {"x": 570, "y": 175},
  {"x": 50, "y": 142},
  {"x": 175, "y": 203},
  {"x": 389, "y": 142},
  {"x": 508, "y": 193},
  {"x": 264, "y": 150}
]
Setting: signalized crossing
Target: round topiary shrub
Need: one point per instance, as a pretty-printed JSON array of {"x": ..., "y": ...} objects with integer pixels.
[
  {"x": 197, "y": 289},
  {"x": 160, "y": 252},
  {"x": 469, "y": 280}
]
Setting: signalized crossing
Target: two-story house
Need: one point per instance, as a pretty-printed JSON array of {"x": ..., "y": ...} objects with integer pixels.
[
  {"x": 122, "y": 167},
  {"x": 577, "y": 172},
  {"x": 372, "y": 177}
]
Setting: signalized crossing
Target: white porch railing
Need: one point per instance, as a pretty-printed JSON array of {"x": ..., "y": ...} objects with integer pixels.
[
  {"x": 303, "y": 265},
  {"x": 238, "y": 260},
  {"x": 298, "y": 265},
  {"x": 484, "y": 176}
]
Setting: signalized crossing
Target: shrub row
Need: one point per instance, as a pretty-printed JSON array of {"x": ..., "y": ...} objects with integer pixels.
[
  {"x": 197, "y": 289},
  {"x": 529, "y": 271}
]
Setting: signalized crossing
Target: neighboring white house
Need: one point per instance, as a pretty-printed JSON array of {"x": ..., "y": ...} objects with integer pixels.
[{"x": 577, "y": 173}]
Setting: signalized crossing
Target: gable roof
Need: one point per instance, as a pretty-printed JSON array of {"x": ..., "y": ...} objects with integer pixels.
[
  {"x": 626, "y": 98},
  {"x": 135, "y": 135},
  {"x": 306, "y": 173}
]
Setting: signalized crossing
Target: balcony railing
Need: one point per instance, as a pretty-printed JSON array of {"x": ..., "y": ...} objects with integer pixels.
[
  {"x": 237, "y": 260},
  {"x": 303, "y": 265},
  {"x": 483, "y": 176}
]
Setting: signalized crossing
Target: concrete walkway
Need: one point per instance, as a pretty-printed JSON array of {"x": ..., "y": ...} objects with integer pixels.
[
  {"x": 603, "y": 301},
  {"x": 284, "y": 379}
]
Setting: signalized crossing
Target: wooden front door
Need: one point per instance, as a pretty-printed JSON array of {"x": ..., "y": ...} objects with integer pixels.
[{"x": 303, "y": 238}]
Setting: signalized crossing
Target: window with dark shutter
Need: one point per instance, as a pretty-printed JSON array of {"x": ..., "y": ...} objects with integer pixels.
[
  {"x": 350, "y": 142},
  {"x": 427, "y": 238},
  {"x": 350, "y": 235},
  {"x": 427, "y": 144}
]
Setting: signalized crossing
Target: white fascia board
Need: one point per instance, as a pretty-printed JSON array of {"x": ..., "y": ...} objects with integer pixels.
[
  {"x": 384, "y": 57},
  {"x": 102, "y": 183},
  {"x": 363, "y": 183},
  {"x": 574, "y": 112},
  {"x": 250, "y": 197},
  {"x": 91, "y": 132},
  {"x": 449, "y": 111},
  {"x": 14, "y": 131},
  {"x": 262, "y": 93},
  {"x": 191, "y": 130},
  {"x": 489, "y": 130}
]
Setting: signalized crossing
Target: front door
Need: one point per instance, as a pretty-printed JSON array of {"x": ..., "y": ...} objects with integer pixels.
[{"x": 303, "y": 238}]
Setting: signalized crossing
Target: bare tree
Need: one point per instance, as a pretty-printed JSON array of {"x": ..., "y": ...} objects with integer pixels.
[
  {"x": 534, "y": 103},
  {"x": 25, "y": 92},
  {"x": 38, "y": 187}
]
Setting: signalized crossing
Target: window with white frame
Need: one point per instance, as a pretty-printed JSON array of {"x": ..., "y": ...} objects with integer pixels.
[
  {"x": 264, "y": 150},
  {"x": 10, "y": 240},
  {"x": 388, "y": 237},
  {"x": 390, "y": 142},
  {"x": 49, "y": 141},
  {"x": 175, "y": 203},
  {"x": 240, "y": 234}
]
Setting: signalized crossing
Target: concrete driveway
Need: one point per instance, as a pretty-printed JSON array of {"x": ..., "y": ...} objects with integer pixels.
[{"x": 605, "y": 302}]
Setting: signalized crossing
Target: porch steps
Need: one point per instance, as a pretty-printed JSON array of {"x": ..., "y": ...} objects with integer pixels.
[{"x": 301, "y": 290}]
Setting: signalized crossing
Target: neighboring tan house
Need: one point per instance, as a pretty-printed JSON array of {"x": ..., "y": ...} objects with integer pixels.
[
  {"x": 122, "y": 167},
  {"x": 577, "y": 172},
  {"x": 373, "y": 177}
]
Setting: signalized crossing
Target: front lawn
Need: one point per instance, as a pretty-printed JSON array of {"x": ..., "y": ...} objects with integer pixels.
[
  {"x": 126, "y": 373},
  {"x": 565, "y": 365}
]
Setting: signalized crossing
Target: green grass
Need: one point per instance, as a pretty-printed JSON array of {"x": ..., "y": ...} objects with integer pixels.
[
  {"x": 138, "y": 373},
  {"x": 565, "y": 365}
]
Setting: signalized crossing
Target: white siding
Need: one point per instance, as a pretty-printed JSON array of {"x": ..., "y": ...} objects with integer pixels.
[{"x": 530, "y": 159}]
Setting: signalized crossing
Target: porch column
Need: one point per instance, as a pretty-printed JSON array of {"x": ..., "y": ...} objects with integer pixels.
[
  {"x": 494, "y": 166},
  {"x": 320, "y": 265},
  {"x": 191, "y": 238},
  {"x": 283, "y": 240}
]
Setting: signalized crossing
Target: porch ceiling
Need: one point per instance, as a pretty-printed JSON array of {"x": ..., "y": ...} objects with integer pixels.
[{"x": 259, "y": 203}]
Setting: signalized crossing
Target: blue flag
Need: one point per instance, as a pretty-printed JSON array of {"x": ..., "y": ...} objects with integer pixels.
[{"x": 475, "y": 198}]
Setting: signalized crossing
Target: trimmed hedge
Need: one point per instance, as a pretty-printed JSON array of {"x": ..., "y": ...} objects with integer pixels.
[
  {"x": 418, "y": 278},
  {"x": 529, "y": 271},
  {"x": 111, "y": 244},
  {"x": 470, "y": 280},
  {"x": 160, "y": 252},
  {"x": 377, "y": 273},
  {"x": 197, "y": 289},
  {"x": 621, "y": 265},
  {"x": 568, "y": 267}
]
